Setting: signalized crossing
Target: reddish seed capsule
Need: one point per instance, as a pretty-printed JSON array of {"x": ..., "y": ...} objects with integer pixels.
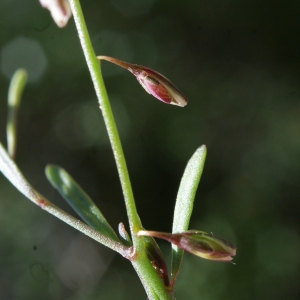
[{"x": 153, "y": 82}]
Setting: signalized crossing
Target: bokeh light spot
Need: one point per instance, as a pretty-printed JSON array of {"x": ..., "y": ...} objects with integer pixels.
[
  {"x": 80, "y": 125},
  {"x": 82, "y": 265},
  {"x": 23, "y": 53}
]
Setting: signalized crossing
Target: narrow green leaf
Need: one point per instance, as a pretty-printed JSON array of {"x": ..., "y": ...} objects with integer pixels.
[
  {"x": 185, "y": 202},
  {"x": 15, "y": 91},
  {"x": 79, "y": 200}
]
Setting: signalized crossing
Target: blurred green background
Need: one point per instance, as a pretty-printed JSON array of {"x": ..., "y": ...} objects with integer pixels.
[{"x": 238, "y": 64}]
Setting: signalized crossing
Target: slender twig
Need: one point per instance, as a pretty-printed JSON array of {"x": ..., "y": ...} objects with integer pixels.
[{"x": 14, "y": 175}]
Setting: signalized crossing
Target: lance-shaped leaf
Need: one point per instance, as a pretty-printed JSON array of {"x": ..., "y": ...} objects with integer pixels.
[
  {"x": 79, "y": 200},
  {"x": 15, "y": 91},
  {"x": 153, "y": 82},
  {"x": 185, "y": 202}
]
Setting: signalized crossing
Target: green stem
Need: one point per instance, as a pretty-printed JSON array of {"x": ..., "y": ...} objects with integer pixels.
[
  {"x": 153, "y": 284},
  {"x": 95, "y": 71}
]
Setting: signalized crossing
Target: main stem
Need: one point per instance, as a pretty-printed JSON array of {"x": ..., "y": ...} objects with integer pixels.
[
  {"x": 152, "y": 283},
  {"x": 95, "y": 71}
]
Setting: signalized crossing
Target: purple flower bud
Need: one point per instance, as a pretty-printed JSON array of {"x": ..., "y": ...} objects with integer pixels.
[
  {"x": 199, "y": 243},
  {"x": 153, "y": 82}
]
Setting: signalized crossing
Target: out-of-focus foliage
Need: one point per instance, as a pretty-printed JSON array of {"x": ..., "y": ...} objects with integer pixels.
[{"x": 238, "y": 64}]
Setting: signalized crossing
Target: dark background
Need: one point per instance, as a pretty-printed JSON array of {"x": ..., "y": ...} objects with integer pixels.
[{"x": 238, "y": 64}]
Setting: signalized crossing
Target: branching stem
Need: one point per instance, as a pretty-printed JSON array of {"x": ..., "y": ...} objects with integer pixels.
[{"x": 152, "y": 282}]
